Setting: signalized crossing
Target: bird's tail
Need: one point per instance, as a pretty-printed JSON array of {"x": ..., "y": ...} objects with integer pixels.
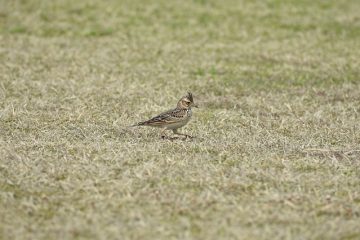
[{"x": 138, "y": 124}]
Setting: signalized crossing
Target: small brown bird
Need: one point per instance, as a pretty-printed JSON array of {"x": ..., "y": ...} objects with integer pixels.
[{"x": 173, "y": 119}]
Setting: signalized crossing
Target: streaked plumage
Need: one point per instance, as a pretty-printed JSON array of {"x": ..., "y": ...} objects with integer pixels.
[{"x": 175, "y": 118}]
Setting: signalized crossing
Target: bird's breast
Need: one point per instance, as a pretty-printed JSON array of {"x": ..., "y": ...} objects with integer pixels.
[{"x": 189, "y": 113}]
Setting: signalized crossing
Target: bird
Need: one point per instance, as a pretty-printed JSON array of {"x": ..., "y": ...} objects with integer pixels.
[{"x": 173, "y": 119}]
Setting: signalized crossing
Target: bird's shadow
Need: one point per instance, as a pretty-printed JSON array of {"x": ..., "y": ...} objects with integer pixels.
[
  {"x": 129, "y": 132},
  {"x": 183, "y": 138}
]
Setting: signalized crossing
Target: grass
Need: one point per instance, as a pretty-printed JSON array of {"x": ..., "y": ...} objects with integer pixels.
[{"x": 277, "y": 148}]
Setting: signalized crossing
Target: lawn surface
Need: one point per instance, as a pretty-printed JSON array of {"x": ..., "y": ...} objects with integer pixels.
[{"x": 276, "y": 153}]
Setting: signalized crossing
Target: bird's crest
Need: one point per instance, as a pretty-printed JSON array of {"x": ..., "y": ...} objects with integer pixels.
[{"x": 190, "y": 96}]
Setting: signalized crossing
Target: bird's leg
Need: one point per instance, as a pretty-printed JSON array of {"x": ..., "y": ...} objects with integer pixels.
[
  {"x": 182, "y": 134},
  {"x": 163, "y": 135}
]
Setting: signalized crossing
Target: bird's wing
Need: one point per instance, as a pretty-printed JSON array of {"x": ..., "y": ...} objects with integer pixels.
[{"x": 164, "y": 118}]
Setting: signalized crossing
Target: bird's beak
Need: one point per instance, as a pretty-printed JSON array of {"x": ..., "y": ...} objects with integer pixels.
[{"x": 195, "y": 105}]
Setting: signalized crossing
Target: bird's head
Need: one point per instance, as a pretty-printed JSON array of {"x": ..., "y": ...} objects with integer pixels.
[{"x": 187, "y": 101}]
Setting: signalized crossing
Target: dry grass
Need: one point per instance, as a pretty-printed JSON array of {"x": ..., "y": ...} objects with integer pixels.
[{"x": 277, "y": 148}]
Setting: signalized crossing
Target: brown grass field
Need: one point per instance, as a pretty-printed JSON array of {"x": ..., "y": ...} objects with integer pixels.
[{"x": 277, "y": 147}]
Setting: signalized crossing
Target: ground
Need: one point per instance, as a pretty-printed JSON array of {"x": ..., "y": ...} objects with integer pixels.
[{"x": 276, "y": 153}]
